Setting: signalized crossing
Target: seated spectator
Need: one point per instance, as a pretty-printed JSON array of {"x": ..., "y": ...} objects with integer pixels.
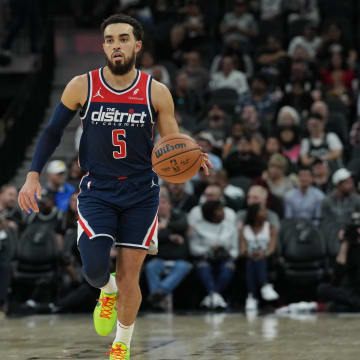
[
  {"x": 165, "y": 272},
  {"x": 309, "y": 39},
  {"x": 190, "y": 32},
  {"x": 272, "y": 146},
  {"x": 275, "y": 176},
  {"x": 243, "y": 161},
  {"x": 289, "y": 137},
  {"x": 288, "y": 116},
  {"x": 147, "y": 64},
  {"x": 255, "y": 127},
  {"x": 214, "y": 246},
  {"x": 336, "y": 71},
  {"x": 8, "y": 239},
  {"x": 62, "y": 191},
  {"x": 75, "y": 173},
  {"x": 355, "y": 133},
  {"x": 217, "y": 122},
  {"x": 187, "y": 102},
  {"x": 228, "y": 77},
  {"x": 320, "y": 145},
  {"x": 259, "y": 195},
  {"x": 198, "y": 75},
  {"x": 203, "y": 181},
  {"x": 321, "y": 176},
  {"x": 343, "y": 200},
  {"x": 179, "y": 197},
  {"x": 257, "y": 243},
  {"x": 207, "y": 142},
  {"x": 239, "y": 25},
  {"x": 343, "y": 293},
  {"x": 272, "y": 58},
  {"x": 233, "y": 195},
  {"x": 260, "y": 97},
  {"x": 236, "y": 131},
  {"x": 49, "y": 214},
  {"x": 306, "y": 200},
  {"x": 8, "y": 207},
  {"x": 242, "y": 60}
]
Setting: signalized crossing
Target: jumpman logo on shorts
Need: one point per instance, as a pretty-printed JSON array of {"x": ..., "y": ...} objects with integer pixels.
[
  {"x": 98, "y": 94},
  {"x": 153, "y": 183}
]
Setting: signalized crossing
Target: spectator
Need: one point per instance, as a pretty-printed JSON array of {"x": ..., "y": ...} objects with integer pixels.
[
  {"x": 8, "y": 208},
  {"x": 233, "y": 195},
  {"x": 259, "y": 195},
  {"x": 237, "y": 130},
  {"x": 48, "y": 214},
  {"x": 180, "y": 198},
  {"x": 62, "y": 191},
  {"x": 275, "y": 177},
  {"x": 75, "y": 173},
  {"x": 217, "y": 123},
  {"x": 212, "y": 192},
  {"x": 228, "y": 77},
  {"x": 213, "y": 244},
  {"x": 272, "y": 58},
  {"x": 243, "y": 161},
  {"x": 8, "y": 239},
  {"x": 257, "y": 243},
  {"x": 321, "y": 145},
  {"x": 198, "y": 75},
  {"x": 288, "y": 116},
  {"x": 239, "y": 25},
  {"x": 321, "y": 176},
  {"x": 207, "y": 142},
  {"x": 343, "y": 200},
  {"x": 190, "y": 32},
  {"x": 187, "y": 101},
  {"x": 289, "y": 137},
  {"x": 260, "y": 97},
  {"x": 337, "y": 72},
  {"x": 306, "y": 200},
  {"x": 343, "y": 293},
  {"x": 165, "y": 272},
  {"x": 256, "y": 127},
  {"x": 272, "y": 146},
  {"x": 309, "y": 40},
  {"x": 148, "y": 64}
]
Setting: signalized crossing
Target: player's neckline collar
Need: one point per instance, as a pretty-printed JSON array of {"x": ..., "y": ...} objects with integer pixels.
[{"x": 118, "y": 92}]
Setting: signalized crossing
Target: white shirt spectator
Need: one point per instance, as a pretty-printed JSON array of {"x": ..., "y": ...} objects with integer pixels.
[
  {"x": 235, "y": 80},
  {"x": 206, "y": 235},
  {"x": 331, "y": 139},
  {"x": 311, "y": 47}
]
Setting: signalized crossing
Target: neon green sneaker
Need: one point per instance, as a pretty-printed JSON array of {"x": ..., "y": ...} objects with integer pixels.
[
  {"x": 119, "y": 351},
  {"x": 105, "y": 314}
]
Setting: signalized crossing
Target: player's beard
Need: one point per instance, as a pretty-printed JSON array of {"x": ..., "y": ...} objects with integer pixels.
[{"x": 119, "y": 68}]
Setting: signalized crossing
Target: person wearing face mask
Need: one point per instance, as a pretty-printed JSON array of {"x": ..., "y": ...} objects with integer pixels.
[
  {"x": 257, "y": 243},
  {"x": 214, "y": 246}
]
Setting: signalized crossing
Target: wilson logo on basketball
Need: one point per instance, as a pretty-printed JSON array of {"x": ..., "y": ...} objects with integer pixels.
[{"x": 167, "y": 148}]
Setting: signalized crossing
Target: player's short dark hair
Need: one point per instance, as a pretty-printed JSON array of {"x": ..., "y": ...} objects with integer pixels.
[{"x": 138, "y": 30}]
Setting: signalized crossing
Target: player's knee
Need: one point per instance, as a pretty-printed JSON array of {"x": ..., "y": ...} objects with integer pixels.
[
  {"x": 126, "y": 281},
  {"x": 96, "y": 274}
]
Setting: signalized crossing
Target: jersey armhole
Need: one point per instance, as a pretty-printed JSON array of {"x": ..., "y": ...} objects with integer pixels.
[
  {"x": 150, "y": 104},
  {"x": 83, "y": 112}
]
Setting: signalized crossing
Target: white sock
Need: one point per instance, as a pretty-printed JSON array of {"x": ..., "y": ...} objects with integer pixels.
[
  {"x": 110, "y": 287},
  {"x": 124, "y": 333}
]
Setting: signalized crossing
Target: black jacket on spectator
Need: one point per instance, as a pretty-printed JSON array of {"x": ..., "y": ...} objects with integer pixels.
[
  {"x": 169, "y": 250},
  {"x": 237, "y": 166}
]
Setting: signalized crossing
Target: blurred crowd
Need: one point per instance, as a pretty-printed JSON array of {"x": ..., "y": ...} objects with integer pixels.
[{"x": 269, "y": 89}]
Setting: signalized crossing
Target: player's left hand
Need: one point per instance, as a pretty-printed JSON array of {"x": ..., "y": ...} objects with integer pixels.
[{"x": 206, "y": 163}]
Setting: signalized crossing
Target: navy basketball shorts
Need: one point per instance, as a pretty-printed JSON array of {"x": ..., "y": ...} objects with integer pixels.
[{"x": 123, "y": 210}]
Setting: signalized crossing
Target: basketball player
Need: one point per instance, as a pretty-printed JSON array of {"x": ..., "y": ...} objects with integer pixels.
[{"x": 119, "y": 195}]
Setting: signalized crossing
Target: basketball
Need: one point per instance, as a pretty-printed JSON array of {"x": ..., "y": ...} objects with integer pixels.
[{"x": 176, "y": 158}]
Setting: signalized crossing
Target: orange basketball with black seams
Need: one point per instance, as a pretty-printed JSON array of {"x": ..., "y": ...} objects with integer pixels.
[{"x": 176, "y": 158}]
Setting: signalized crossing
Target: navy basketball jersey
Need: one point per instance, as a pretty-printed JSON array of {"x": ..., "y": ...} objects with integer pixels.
[{"x": 117, "y": 138}]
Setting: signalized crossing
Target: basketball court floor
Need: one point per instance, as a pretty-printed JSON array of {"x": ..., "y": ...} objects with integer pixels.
[{"x": 196, "y": 336}]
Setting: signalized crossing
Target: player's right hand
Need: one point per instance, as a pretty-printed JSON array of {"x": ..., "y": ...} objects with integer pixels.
[{"x": 28, "y": 194}]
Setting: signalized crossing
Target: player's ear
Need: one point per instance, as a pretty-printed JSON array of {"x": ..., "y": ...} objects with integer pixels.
[{"x": 138, "y": 46}]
